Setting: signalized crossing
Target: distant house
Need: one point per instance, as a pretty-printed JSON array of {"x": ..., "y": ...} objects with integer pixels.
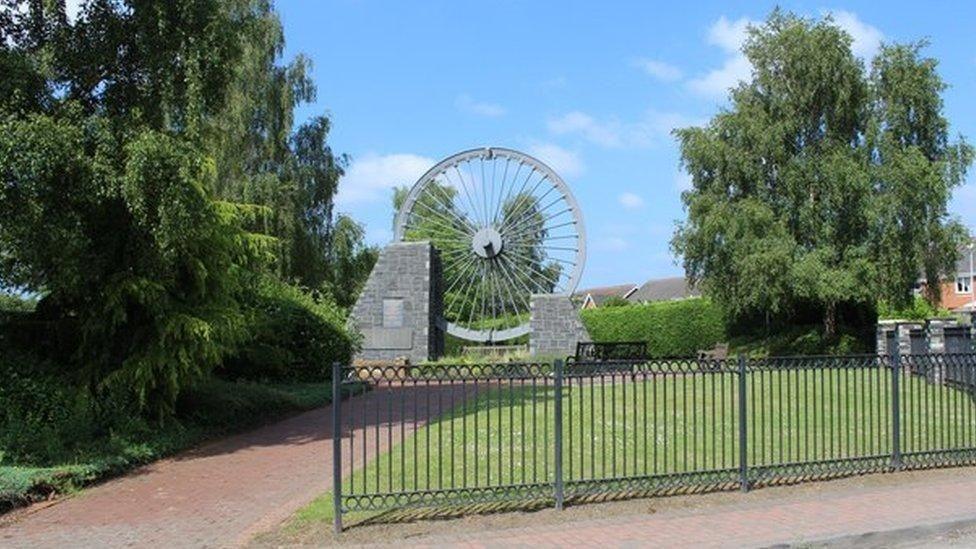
[
  {"x": 957, "y": 290},
  {"x": 664, "y": 289},
  {"x": 594, "y": 297}
]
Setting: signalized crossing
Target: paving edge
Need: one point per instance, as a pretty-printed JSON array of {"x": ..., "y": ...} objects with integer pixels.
[{"x": 885, "y": 538}]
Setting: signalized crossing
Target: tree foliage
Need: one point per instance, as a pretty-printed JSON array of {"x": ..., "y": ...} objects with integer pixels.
[
  {"x": 822, "y": 183},
  {"x": 150, "y": 183},
  {"x": 350, "y": 261}
]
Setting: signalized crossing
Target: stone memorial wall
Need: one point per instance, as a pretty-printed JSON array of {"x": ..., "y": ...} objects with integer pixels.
[{"x": 397, "y": 311}]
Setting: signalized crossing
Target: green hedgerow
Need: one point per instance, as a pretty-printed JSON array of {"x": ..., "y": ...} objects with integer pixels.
[{"x": 670, "y": 328}]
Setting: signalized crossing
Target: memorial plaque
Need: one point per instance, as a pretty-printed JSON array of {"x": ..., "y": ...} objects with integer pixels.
[{"x": 393, "y": 313}]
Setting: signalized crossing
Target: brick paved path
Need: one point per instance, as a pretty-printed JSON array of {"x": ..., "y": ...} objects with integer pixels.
[
  {"x": 843, "y": 513},
  {"x": 217, "y": 495}
]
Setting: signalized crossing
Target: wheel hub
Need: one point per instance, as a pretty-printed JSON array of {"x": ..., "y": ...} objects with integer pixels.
[{"x": 486, "y": 243}]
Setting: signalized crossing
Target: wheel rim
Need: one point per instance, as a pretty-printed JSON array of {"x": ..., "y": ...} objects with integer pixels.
[{"x": 507, "y": 227}]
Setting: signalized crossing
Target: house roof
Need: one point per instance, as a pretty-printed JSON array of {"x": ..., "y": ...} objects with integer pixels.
[
  {"x": 664, "y": 289},
  {"x": 963, "y": 265},
  {"x": 620, "y": 290},
  {"x": 600, "y": 294}
]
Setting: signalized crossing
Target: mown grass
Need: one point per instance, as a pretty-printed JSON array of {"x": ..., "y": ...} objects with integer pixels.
[
  {"x": 668, "y": 424},
  {"x": 213, "y": 409}
]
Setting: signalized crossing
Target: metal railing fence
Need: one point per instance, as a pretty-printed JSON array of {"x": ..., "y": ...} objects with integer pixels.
[{"x": 464, "y": 434}]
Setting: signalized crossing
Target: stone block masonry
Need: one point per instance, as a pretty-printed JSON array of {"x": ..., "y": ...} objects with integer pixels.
[
  {"x": 554, "y": 325},
  {"x": 398, "y": 309}
]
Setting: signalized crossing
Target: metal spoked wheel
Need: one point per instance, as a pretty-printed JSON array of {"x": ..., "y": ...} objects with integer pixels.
[{"x": 506, "y": 226}]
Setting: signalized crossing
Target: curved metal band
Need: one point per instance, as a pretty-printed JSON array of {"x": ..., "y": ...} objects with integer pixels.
[{"x": 403, "y": 216}]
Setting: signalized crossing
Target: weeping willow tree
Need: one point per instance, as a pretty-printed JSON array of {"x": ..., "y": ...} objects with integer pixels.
[{"x": 149, "y": 177}]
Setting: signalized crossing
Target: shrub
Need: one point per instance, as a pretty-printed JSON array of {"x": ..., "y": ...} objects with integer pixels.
[
  {"x": 47, "y": 417},
  {"x": 293, "y": 337},
  {"x": 920, "y": 309},
  {"x": 134, "y": 257},
  {"x": 36, "y": 405},
  {"x": 671, "y": 328}
]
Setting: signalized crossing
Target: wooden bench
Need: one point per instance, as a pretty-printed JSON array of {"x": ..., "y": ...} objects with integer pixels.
[{"x": 719, "y": 352}]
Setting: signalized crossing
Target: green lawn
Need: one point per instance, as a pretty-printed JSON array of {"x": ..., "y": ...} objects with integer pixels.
[
  {"x": 665, "y": 425},
  {"x": 213, "y": 409}
]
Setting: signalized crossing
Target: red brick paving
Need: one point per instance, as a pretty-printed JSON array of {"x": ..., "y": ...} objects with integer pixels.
[
  {"x": 755, "y": 522},
  {"x": 217, "y": 495}
]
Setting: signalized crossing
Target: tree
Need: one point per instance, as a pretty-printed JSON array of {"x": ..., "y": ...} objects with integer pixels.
[
  {"x": 149, "y": 177},
  {"x": 530, "y": 267},
  {"x": 436, "y": 217},
  {"x": 321, "y": 240},
  {"x": 137, "y": 262},
  {"x": 794, "y": 183},
  {"x": 916, "y": 169},
  {"x": 350, "y": 261}
]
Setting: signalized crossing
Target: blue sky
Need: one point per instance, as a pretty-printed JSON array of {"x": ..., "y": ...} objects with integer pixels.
[{"x": 592, "y": 88}]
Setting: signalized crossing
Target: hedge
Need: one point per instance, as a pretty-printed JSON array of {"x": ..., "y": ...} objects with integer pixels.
[
  {"x": 671, "y": 328},
  {"x": 292, "y": 337}
]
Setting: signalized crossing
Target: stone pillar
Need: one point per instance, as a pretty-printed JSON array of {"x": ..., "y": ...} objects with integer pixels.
[
  {"x": 885, "y": 329},
  {"x": 937, "y": 346},
  {"x": 936, "y": 330},
  {"x": 905, "y": 336},
  {"x": 399, "y": 307},
  {"x": 554, "y": 325}
]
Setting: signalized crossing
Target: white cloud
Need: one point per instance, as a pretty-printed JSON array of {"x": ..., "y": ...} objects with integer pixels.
[
  {"x": 658, "y": 125},
  {"x": 717, "y": 82},
  {"x": 659, "y": 69},
  {"x": 653, "y": 128},
  {"x": 606, "y": 134},
  {"x": 468, "y": 104},
  {"x": 867, "y": 39},
  {"x": 566, "y": 163},
  {"x": 729, "y": 36},
  {"x": 630, "y": 201},
  {"x": 371, "y": 177}
]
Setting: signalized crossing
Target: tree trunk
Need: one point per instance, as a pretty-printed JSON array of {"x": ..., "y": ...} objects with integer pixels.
[{"x": 830, "y": 320}]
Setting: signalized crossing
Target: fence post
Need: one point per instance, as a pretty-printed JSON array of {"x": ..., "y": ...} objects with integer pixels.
[
  {"x": 895, "y": 410},
  {"x": 743, "y": 444},
  {"x": 337, "y": 447},
  {"x": 558, "y": 469}
]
